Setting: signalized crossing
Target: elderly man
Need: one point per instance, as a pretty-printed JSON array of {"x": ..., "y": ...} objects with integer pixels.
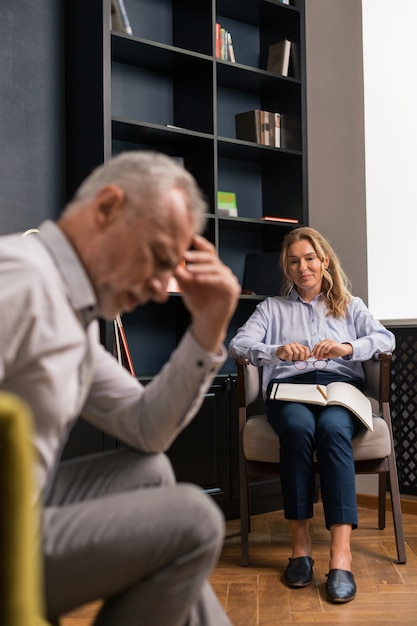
[{"x": 117, "y": 526}]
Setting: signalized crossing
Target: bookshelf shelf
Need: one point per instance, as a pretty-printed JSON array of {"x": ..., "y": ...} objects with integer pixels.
[
  {"x": 149, "y": 54},
  {"x": 250, "y": 151},
  {"x": 251, "y": 79}
]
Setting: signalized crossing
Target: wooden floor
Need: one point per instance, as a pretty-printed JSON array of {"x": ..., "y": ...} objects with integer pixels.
[{"x": 387, "y": 592}]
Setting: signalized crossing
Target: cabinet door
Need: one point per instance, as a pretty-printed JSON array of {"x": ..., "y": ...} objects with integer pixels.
[{"x": 200, "y": 454}]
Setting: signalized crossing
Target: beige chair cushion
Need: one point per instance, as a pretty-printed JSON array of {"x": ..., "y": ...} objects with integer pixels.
[{"x": 261, "y": 443}]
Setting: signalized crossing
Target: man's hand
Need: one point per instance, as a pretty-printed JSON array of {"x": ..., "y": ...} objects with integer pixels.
[{"x": 210, "y": 292}]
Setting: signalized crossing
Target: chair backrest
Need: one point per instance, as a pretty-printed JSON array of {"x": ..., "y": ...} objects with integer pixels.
[{"x": 20, "y": 567}]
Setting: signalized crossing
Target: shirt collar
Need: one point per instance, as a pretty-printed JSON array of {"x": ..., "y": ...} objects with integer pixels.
[
  {"x": 294, "y": 295},
  {"x": 79, "y": 289}
]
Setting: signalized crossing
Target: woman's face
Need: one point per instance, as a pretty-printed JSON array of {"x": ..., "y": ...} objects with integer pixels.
[{"x": 305, "y": 269}]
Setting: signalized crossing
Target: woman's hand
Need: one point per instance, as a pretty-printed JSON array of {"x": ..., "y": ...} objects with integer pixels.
[
  {"x": 330, "y": 349},
  {"x": 293, "y": 352}
]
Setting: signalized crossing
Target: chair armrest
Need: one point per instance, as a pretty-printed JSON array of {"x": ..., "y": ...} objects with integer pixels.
[
  {"x": 385, "y": 359},
  {"x": 241, "y": 390},
  {"x": 248, "y": 382}
]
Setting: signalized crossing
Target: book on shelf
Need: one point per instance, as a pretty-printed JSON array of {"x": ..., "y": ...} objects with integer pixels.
[
  {"x": 262, "y": 275},
  {"x": 279, "y": 57},
  {"x": 277, "y": 130},
  {"x": 119, "y": 17},
  {"x": 342, "y": 394},
  {"x": 271, "y": 129},
  {"x": 265, "y": 129},
  {"x": 223, "y": 44},
  {"x": 226, "y": 203},
  {"x": 217, "y": 40},
  {"x": 285, "y": 220},
  {"x": 230, "y": 50}
]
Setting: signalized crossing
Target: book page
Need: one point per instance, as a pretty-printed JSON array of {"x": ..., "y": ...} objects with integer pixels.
[
  {"x": 294, "y": 392},
  {"x": 352, "y": 398}
]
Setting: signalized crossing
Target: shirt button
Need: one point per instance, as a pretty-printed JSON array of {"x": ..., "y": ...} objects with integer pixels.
[{"x": 200, "y": 363}]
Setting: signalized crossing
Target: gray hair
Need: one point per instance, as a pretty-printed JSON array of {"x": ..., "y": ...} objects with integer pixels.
[{"x": 145, "y": 176}]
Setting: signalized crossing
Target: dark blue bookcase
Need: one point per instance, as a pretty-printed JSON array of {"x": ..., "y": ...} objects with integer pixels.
[{"x": 164, "y": 89}]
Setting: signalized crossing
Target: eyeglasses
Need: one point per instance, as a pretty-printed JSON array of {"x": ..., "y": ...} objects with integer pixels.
[{"x": 318, "y": 364}]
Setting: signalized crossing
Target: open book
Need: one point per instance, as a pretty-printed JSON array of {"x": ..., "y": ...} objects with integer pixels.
[{"x": 343, "y": 394}]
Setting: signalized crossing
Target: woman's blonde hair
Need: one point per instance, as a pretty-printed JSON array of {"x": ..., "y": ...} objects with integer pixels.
[{"x": 336, "y": 287}]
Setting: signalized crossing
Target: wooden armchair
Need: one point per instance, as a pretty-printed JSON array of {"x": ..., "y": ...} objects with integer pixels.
[{"x": 373, "y": 451}]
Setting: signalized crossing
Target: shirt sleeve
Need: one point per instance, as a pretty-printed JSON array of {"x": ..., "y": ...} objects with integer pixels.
[
  {"x": 150, "y": 417},
  {"x": 249, "y": 342},
  {"x": 20, "y": 306},
  {"x": 371, "y": 336}
]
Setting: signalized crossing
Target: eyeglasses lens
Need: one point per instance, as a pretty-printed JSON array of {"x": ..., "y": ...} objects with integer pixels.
[
  {"x": 300, "y": 365},
  {"x": 321, "y": 364}
]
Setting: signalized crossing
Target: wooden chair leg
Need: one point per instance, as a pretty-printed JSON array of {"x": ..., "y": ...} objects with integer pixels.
[
  {"x": 244, "y": 510},
  {"x": 382, "y": 499},
  {"x": 396, "y": 509},
  {"x": 244, "y": 517}
]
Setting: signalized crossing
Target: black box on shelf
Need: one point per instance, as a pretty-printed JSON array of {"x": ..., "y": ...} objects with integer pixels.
[
  {"x": 263, "y": 274},
  {"x": 290, "y": 132},
  {"x": 248, "y": 126}
]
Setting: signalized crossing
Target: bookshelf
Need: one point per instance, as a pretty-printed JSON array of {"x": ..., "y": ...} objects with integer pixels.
[{"x": 164, "y": 89}]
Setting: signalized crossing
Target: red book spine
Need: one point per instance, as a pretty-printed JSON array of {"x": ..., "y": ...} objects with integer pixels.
[{"x": 218, "y": 40}]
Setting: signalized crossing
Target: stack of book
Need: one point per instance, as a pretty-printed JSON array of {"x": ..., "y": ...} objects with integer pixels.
[
  {"x": 259, "y": 126},
  {"x": 224, "y": 45},
  {"x": 269, "y": 129}
]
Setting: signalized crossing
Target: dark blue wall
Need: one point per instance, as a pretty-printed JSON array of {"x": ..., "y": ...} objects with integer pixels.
[{"x": 32, "y": 112}]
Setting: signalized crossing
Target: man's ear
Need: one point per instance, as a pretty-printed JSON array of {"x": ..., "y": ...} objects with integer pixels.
[{"x": 108, "y": 205}]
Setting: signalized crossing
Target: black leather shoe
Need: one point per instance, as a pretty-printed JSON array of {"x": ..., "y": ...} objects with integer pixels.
[
  {"x": 340, "y": 585},
  {"x": 299, "y": 571}
]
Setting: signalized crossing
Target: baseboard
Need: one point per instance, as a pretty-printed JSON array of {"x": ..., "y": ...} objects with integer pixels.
[{"x": 371, "y": 502}]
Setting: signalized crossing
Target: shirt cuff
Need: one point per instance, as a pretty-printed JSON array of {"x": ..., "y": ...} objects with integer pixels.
[{"x": 347, "y": 357}]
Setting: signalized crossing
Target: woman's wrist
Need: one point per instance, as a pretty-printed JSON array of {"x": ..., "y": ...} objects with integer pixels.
[{"x": 348, "y": 356}]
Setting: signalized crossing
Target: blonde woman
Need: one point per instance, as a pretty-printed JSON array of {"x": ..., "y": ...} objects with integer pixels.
[{"x": 317, "y": 332}]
